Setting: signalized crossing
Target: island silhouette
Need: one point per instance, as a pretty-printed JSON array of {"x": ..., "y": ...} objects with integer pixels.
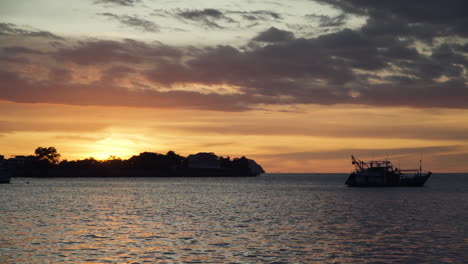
[{"x": 46, "y": 162}]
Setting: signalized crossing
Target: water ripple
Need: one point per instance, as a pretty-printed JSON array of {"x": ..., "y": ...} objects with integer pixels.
[{"x": 271, "y": 219}]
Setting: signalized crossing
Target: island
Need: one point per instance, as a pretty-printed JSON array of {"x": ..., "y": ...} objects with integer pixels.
[{"x": 46, "y": 163}]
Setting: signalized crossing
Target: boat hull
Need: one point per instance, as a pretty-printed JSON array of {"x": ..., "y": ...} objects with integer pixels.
[{"x": 391, "y": 180}]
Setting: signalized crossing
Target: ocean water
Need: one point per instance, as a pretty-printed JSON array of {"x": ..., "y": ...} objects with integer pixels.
[{"x": 275, "y": 218}]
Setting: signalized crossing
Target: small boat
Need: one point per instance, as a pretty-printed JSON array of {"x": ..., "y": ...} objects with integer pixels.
[
  {"x": 5, "y": 176},
  {"x": 383, "y": 174}
]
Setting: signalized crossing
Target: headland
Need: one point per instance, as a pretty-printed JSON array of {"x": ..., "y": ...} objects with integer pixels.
[{"x": 46, "y": 163}]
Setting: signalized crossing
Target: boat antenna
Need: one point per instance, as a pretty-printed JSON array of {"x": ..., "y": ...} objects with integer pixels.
[{"x": 420, "y": 164}]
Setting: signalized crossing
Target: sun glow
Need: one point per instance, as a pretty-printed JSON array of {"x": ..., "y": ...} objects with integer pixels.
[{"x": 113, "y": 146}]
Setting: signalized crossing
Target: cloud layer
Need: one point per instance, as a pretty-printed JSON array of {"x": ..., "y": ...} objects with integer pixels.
[
  {"x": 403, "y": 55},
  {"x": 134, "y": 21},
  {"x": 118, "y": 2}
]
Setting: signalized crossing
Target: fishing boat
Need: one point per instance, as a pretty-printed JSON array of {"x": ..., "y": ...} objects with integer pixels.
[{"x": 384, "y": 174}]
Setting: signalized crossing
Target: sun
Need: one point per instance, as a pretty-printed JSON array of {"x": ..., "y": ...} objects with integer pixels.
[{"x": 113, "y": 146}]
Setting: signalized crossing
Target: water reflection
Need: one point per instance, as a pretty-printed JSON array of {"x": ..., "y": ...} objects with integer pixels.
[{"x": 264, "y": 220}]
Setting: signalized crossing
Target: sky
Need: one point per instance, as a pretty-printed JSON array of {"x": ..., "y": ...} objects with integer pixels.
[{"x": 297, "y": 85}]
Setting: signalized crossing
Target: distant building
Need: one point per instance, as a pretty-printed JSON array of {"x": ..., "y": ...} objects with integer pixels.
[
  {"x": 18, "y": 161},
  {"x": 204, "y": 160}
]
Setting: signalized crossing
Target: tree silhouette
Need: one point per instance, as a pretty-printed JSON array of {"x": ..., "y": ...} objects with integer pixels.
[
  {"x": 47, "y": 163},
  {"x": 50, "y": 154}
]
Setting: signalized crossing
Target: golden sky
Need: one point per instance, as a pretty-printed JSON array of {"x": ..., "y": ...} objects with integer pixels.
[
  {"x": 311, "y": 139},
  {"x": 297, "y": 86}
]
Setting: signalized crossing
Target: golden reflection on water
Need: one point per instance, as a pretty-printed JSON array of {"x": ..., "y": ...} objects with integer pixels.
[{"x": 220, "y": 221}]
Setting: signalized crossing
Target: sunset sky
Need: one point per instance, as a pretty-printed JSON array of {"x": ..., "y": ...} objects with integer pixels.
[{"x": 297, "y": 85}]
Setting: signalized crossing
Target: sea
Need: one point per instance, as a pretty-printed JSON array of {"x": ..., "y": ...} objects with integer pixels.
[{"x": 273, "y": 218}]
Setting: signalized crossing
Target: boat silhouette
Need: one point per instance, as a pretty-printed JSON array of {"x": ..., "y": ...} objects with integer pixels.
[{"x": 383, "y": 174}]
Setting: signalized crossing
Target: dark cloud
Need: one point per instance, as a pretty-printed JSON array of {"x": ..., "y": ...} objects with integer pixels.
[
  {"x": 14, "y": 59},
  {"x": 98, "y": 52},
  {"x": 108, "y": 51},
  {"x": 444, "y": 61},
  {"x": 198, "y": 14},
  {"x": 12, "y": 29},
  {"x": 461, "y": 48},
  {"x": 20, "y": 50},
  {"x": 381, "y": 64},
  {"x": 60, "y": 75},
  {"x": 9, "y": 29},
  {"x": 322, "y": 71},
  {"x": 17, "y": 89},
  {"x": 422, "y": 19},
  {"x": 300, "y": 71},
  {"x": 263, "y": 13},
  {"x": 274, "y": 35},
  {"x": 18, "y": 54},
  {"x": 446, "y": 54},
  {"x": 215, "y": 18},
  {"x": 116, "y": 72},
  {"x": 271, "y": 70},
  {"x": 448, "y": 94},
  {"x": 118, "y": 2},
  {"x": 208, "y": 17},
  {"x": 417, "y": 11},
  {"x": 327, "y": 21},
  {"x": 257, "y": 15},
  {"x": 134, "y": 22}
]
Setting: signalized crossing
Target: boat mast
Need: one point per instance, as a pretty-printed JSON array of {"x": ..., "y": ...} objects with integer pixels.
[
  {"x": 420, "y": 165},
  {"x": 358, "y": 163}
]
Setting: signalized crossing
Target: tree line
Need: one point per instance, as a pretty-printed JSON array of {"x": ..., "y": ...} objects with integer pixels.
[{"x": 47, "y": 160}]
